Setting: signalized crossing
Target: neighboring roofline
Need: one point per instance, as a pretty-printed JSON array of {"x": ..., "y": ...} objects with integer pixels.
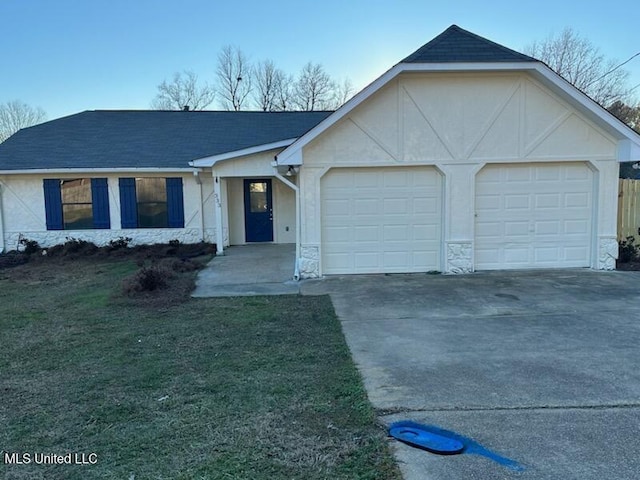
[
  {"x": 292, "y": 155},
  {"x": 207, "y": 162},
  {"x": 97, "y": 170}
]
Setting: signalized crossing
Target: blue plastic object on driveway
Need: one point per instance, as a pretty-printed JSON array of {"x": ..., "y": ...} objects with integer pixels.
[
  {"x": 421, "y": 436},
  {"x": 444, "y": 442}
]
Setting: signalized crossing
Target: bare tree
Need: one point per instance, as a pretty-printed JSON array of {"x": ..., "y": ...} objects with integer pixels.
[
  {"x": 580, "y": 62},
  {"x": 314, "y": 89},
  {"x": 234, "y": 78},
  {"x": 628, "y": 114},
  {"x": 183, "y": 92},
  {"x": 284, "y": 93},
  {"x": 15, "y": 115},
  {"x": 343, "y": 92},
  {"x": 267, "y": 79}
]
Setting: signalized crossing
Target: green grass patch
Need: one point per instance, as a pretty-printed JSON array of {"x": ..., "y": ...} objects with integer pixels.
[{"x": 231, "y": 388}]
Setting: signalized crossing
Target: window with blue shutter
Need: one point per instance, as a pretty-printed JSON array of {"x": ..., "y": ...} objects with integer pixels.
[
  {"x": 76, "y": 203},
  {"x": 100, "y": 199},
  {"x": 53, "y": 204},
  {"x": 128, "y": 204},
  {"x": 152, "y": 202},
  {"x": 175, "y": 203}
]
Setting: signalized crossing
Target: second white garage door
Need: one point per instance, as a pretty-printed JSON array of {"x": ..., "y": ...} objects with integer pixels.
[
  {"x": 533, "y": 216},
  {"x": 381, "y": 220}
]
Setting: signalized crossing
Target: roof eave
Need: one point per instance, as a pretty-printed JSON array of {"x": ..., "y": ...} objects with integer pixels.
[
  {"x": 50, "y": 171},
  {"x": 622, "y": 132},
  {"x": 210, "y": 161}
]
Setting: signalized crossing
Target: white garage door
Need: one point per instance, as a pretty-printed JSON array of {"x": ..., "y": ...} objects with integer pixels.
[
  {"x": 533, "y": 216},
  {"x": 381, "y": 220}
]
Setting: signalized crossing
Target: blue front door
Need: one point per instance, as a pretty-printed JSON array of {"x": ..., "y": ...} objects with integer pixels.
[{"x": 258, "y": 210}]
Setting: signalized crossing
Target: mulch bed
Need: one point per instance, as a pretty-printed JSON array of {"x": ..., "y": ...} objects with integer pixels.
[{"x": 75, "y": 250}]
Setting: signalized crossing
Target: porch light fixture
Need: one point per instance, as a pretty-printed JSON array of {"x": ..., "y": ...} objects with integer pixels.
[{"x": 292, "y": 171}]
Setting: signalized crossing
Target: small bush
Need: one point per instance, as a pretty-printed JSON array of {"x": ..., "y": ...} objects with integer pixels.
[
  {"x": 119, "y": 243},
  {"x": 147, "y": 279},
  {"x": 628, "y": 250},
  {"x": 29, "y": 246},
  {"x": 76, "y": 246}
]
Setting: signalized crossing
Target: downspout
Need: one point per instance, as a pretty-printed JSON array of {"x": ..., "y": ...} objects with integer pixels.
[
  {"x": 296, "y": 188},
  {"x": 1, "y": 220}
]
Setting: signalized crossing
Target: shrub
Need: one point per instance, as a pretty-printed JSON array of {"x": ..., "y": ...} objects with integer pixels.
[
  {"x": 147, "y": 279},
  {"x": 628, "y": 250},
  {"x": 119, "y": 243},
  {"x": 76, "y": 246},
  {"x": 29, "y": 246}
]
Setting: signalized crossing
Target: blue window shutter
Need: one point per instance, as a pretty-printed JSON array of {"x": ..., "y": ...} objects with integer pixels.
[
  {"x": 128, "y": 203},
  {"x": 175, "y": 203},
  {"x": 53, "y": 203},
  {"x": 100, "y": 203}
]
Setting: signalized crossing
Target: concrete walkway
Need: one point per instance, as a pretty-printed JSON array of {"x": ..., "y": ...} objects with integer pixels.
[{"x": 248, "y": 270}]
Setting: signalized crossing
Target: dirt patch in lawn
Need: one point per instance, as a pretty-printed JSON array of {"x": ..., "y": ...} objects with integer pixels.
[{"x": 159, "y": 275}]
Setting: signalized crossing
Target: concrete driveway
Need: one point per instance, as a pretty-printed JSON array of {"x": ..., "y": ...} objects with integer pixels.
[{"x": 540, "y": 367}]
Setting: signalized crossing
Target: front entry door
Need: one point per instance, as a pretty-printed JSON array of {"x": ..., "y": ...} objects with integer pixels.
[{"x": 258, "y": 210}]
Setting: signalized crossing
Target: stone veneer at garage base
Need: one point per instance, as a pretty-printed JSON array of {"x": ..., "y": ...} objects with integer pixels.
[{"x": 459, "y": 258}]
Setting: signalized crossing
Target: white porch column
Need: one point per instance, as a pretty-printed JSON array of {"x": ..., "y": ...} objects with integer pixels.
[
  {"x": 296, "y": 189},
  {"x": 217, "y": 201}
]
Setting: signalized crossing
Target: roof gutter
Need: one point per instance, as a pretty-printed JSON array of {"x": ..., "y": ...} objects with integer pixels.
[{"x": 48, "y": 171}]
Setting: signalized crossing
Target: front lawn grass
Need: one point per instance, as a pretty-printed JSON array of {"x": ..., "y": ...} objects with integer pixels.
[{"x": 231, "y": 388}]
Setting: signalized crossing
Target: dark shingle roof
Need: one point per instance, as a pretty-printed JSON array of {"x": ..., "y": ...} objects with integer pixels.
[
  {"x": 458, "y": 45},
  {"x": 138, "y": 139}
]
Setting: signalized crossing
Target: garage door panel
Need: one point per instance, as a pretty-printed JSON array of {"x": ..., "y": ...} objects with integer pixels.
[
  {"x": 395, "y": 206},
  {"x": 514, "y": 201},
  {"x": 426, "y": 234},
  {"x": 516, "y": 255},
  {"x": 576, "y": 227},
  {"x": 576, "y": 200},
  {"x": 546, "y": 254},
  {"x": 491, "y": 229},
  {"x": 532, "y": 215},
  {"x": 511, "y": 229},
  {"x": 337, "y": 207},
  {"x": 547, "y": 227},
  {"x": 547, "y": 173},
  {"x": 547, "y": 200},
  {"x": 391, "y": 216}
]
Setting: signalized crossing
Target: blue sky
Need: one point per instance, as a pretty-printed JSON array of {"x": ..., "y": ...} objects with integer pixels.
[{"x": 68, "y": 56}]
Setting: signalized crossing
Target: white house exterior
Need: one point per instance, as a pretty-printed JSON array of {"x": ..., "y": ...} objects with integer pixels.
[
  {"x": 458, "y": 171},
  {"x": 464, "y": 156}
]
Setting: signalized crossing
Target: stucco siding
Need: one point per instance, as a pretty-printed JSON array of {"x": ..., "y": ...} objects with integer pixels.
[
  {"x": 24, "y": 214},
  {"x": 459, "y": 122},
  {"x": 460, "y": 118}
]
